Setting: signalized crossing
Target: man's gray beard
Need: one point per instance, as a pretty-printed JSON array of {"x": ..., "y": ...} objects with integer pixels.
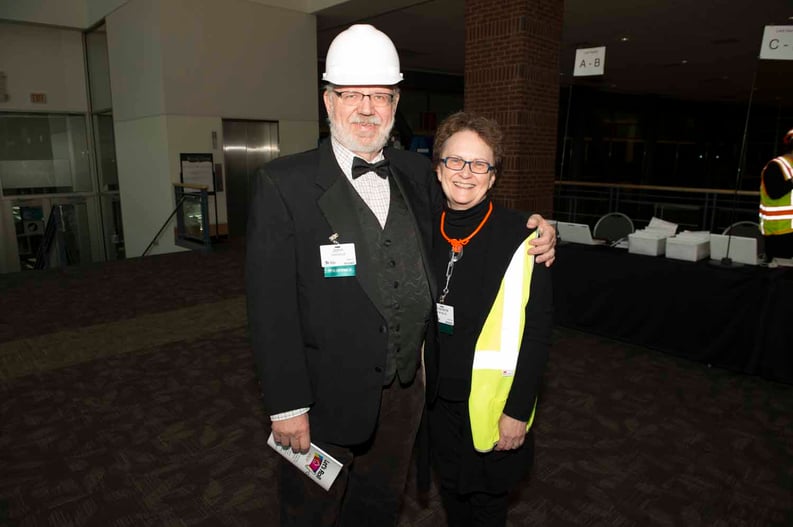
[{"x": 349, "y": 141}]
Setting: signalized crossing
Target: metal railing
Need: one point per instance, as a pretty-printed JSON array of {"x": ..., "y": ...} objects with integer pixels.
[
  {"x": 707, "y": 209},
  {"x": 192, "y": 218}
]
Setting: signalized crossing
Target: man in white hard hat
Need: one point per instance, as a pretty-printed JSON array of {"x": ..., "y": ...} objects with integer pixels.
[
  {"x": 340, "y": 295},
  {"x": 776, "y": 203}
]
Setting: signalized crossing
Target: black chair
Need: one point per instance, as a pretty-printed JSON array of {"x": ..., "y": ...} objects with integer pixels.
[{"x": 613, "y": 227}]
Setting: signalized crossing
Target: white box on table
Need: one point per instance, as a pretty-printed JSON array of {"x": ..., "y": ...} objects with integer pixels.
[
  {"x": 742, "y": 250},
  {"x": 691, "y": 246},
  {"x": 649, "y": 245},
  {"x": 686, "y": 250},
  {"x": 652, "y": 239}
]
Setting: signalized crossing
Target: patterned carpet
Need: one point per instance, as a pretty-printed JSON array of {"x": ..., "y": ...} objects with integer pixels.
[{"x": 128, "y": 398}]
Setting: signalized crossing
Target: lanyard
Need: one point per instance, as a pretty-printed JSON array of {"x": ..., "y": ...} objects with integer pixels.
[{"x": 457, "y": 248}]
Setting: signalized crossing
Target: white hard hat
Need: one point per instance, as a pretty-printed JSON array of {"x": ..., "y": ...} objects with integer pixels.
[{"x": 362, "y": 56}]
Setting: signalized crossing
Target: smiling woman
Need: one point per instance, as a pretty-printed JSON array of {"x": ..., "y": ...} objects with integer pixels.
[
  {"x": 493, "y": 318},
  {"x": 467, "y": 155},
  {"x": 463, "y": 187}
]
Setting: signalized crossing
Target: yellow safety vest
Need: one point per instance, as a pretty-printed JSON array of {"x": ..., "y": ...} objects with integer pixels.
[
  {"x": 497, "y": 349},
  {"x": 776, "y": 215}
]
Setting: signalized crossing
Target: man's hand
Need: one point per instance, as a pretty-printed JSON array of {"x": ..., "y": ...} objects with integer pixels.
[
  {"x": 293, "y": 432},
  {"x": 544, "y": 246},
  {"x": 511, "y": 433}
]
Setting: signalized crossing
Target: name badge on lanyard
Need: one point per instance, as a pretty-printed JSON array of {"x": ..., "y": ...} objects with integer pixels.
[
  {"x": 338, "y": 260},
  {"x": 445, "y": 311},
  {"x": 445, "y": 318}
]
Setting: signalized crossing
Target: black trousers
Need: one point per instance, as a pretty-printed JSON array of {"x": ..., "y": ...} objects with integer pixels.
[
  {"x": 369, "y": 489},
  {"x": 474, "y": 486},
  {"x": 476, "y": 509},
  {"x": 779, "y": 246}
]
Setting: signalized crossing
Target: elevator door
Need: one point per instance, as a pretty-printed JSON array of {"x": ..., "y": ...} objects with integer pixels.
[{"x": 247, "y": 145}]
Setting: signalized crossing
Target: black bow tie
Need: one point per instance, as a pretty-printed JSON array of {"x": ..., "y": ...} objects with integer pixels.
[{"x": 361, "y": 167}]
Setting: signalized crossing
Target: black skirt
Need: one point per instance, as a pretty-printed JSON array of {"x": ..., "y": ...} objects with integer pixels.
[{"x": 461, "y": 468}]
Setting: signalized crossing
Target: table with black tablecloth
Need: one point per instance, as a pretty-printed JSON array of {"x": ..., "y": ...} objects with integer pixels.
[{"x": 736, "y": 317}]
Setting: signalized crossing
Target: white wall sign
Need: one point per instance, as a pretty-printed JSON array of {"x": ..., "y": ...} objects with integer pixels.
[
  {"x": 197, "y": 170},
  {"x": 589, "y": 61},
  {"x": 777, "y": 43}
]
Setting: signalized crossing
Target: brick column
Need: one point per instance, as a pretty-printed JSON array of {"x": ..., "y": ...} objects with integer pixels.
[{"x": 512, "y": 75}]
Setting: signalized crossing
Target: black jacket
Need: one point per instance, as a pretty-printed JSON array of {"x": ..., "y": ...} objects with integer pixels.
[{"x": 320, "y": 342}]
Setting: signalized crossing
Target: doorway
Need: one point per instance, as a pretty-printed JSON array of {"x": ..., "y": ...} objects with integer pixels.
[
  {"x": 74, "y": 239},
  {"x": 247, "y": 146}
]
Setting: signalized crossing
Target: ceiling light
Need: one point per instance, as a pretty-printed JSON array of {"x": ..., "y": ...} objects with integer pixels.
[{"x": 624, "y": 39}]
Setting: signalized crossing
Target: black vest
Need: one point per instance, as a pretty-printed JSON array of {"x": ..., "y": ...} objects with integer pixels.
[{"x": 404, "y": 290}]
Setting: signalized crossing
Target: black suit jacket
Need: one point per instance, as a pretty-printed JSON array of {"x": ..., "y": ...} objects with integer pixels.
[{"x": 321, "y": 342}]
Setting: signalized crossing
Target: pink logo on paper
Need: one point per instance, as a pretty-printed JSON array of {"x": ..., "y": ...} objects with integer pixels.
[{"x": 315, "y": 463}]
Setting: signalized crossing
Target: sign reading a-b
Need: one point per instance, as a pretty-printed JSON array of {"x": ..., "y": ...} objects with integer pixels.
[{"x": 589, "y": 61}]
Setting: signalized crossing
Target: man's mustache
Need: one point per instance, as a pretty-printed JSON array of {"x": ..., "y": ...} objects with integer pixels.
[{"x": 366, "y": 120}]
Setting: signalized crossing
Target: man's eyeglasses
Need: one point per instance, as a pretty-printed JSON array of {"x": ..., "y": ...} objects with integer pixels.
[
  {"x": 458, "y": 163},
  {"x": 354, "y": 98}
]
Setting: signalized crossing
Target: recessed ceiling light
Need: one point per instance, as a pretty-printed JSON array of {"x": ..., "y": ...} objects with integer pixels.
[
  {"x": 624, "y": 39},
  {"x": 684, "y": 61}
]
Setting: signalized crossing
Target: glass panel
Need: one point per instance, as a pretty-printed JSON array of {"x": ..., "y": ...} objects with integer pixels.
[
  {"x": 625, "y": 161},
  {"x": 73, "y": 233},
  {"x": 29, "y": 226},
  {"x": 664, "y": 163},
  {"x": 43, "y": 154},
  {"x": 193, "y": 218},
  {"x": 106, "y": 151},
  {"x": 114, "y": 232},
  {"x": 68, "y": 242},
  {"x": 98, "y": 69},
  {"x": 691, "y": 165},
  {"x": 74, "y": 151}
]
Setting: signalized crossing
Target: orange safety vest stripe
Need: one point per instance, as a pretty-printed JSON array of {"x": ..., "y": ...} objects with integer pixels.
[{"x": 783, "y": 212}]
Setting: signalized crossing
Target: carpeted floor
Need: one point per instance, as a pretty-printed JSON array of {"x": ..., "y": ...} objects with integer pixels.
[{"x": 128, "y": 398}]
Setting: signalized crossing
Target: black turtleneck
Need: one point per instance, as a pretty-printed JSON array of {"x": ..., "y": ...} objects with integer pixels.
[
  {"x": 472, "y": 290},
  {"x": 465, "y": 292},
  {"x": 461, "y": 223}
]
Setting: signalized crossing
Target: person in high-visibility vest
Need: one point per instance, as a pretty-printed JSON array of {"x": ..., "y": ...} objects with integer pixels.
[
  {"x": 494, "y": 316},
  {"x": 340, "y": 295},
  {"x": 776, "y": 203}
]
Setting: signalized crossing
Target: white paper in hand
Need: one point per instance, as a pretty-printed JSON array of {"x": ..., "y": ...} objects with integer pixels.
[{"x": 316, "y": 464}]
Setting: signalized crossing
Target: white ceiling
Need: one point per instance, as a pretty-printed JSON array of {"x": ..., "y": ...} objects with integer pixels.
[{"x": 719, "y": 40}]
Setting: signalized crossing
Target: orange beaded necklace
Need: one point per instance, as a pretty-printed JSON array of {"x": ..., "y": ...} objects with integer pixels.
[{"x": 457, "y": 243}]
